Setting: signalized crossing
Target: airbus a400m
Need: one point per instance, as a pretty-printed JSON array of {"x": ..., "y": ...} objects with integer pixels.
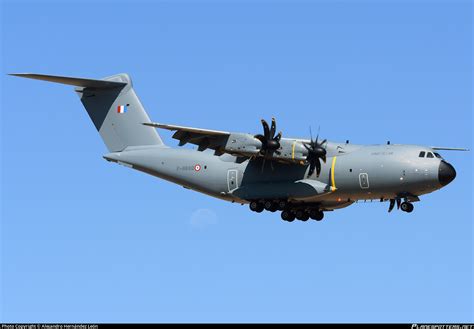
[{"x": 301, "y": 178}]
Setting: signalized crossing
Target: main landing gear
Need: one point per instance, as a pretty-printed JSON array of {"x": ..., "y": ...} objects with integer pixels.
[
  {"x": 288, "y": 212},
  {"x": 302, "y": 214}
]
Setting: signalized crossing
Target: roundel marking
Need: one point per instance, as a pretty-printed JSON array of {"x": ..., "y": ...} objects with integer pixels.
[{"x": 197, "y": 167}]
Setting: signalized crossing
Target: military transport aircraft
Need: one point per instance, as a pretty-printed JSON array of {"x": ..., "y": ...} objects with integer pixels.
[{"x": 301, "y": 178}]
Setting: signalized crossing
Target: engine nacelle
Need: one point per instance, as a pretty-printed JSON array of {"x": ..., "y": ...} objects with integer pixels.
[
  {"x": 291, "y": 150},
  {"x": 247, "y": 145},
  {"x": 243, "y": 144}
]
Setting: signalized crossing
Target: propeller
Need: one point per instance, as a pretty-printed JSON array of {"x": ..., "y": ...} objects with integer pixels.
[
  {"x": 316, "y": 151},
  {"x": 270, "y": 142}
]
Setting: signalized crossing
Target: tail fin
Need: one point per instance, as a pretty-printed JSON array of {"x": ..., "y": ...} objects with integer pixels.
[{"x": 113, "y": 107}]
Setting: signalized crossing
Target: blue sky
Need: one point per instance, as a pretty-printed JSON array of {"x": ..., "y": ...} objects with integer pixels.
[{"x": 86, "y": 240}]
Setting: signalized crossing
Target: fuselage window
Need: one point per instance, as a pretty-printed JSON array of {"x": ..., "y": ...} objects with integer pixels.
[
  {"x": 422, "y": 154},
  {"x": 438, "y": 156},
  {"x": 430, "y": 155}
]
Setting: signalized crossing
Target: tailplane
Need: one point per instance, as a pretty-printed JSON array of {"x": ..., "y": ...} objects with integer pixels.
[{"x": 113, "y": 107}]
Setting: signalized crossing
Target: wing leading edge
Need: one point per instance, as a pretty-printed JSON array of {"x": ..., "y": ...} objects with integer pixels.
[
  {"x": 448, "y": 148},
  {"x": 204, "y": 138}
]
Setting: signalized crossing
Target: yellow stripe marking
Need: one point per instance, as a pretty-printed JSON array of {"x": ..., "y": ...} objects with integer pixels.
[
  {"x": 293, "y": 151},
  {"x": 333, "y": 181}
]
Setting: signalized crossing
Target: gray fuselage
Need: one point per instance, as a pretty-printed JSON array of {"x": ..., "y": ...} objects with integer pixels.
[
  {"x": 299, "y": 177},
  {"x": 351, "y": 173}
]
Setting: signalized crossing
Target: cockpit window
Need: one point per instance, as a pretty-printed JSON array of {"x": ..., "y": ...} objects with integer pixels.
[
  {"x": 437, "y": 155},
  {"x": 430, "y": 155},
  {"x": 422, "y": 154}
]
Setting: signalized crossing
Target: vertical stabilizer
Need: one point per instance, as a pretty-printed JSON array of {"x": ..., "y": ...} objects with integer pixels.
[{"x": 113, "y": 107}]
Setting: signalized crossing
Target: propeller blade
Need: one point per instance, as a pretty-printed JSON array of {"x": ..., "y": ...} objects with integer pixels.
[
  {"x": 261, "y": 138},
  {"x": 278, "y": 137},
  {"x": 266, "y": 130},
  {"x": 392, "y": 204},
  {"x": 273, "y": 128},
  {"x": 318, "y": 167},
  {"x": 311, "y": 168}
]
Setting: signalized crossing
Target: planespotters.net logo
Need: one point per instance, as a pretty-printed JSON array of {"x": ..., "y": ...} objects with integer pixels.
[{"x": 442, "y": 326}]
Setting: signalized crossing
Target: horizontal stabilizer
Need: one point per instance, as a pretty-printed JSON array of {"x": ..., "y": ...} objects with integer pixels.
[{"x": 79, "y": 82}]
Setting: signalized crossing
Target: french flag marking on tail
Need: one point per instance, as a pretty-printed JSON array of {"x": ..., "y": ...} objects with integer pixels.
[{"x": 121, "y": 108}]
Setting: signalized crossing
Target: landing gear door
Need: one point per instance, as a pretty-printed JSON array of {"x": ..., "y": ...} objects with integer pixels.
[{"x": 232, "y": 182}]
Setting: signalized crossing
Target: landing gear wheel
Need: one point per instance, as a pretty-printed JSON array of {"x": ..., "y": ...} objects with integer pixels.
[
  {"x": 273, "y": 208},
  {"x": 254, "y": 205},
  {"x": 282, "y": 204},
  {"x": 299, "y": 214},
  {"x": 302, "y": 215},
  {"x": 406, "y": 207},
  {"x": 287, "y": 216},
  {"x": 268, "y": 205},
  {"x": 316, "y": 214}
]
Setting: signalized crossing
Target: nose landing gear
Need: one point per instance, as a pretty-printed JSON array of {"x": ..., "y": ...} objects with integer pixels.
[
  {"x": 404, "y": 206},
  {"x": 407, "y": 206}
]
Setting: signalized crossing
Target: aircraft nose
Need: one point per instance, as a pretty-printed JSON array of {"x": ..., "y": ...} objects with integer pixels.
[{"x": 446, "y": 173}]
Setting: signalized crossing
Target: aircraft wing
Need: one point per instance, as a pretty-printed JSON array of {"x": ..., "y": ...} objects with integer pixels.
[
  {"x": 204, "y": 138},
  {"x": 188, "y": 129}
]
